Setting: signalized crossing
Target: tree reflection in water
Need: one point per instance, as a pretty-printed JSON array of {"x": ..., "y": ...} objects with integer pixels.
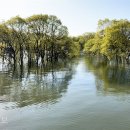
[
  {"x": 36, "y": 85},
  {"x": 110, "y": 78}
]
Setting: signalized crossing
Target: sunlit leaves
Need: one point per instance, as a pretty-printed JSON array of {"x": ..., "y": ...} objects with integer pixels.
[
  {"x": 111, "y": 40},
  {"x": 40, "y": 36}
]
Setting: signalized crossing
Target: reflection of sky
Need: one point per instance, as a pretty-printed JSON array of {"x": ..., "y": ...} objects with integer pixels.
[
  {"x": 43, "y": 80},
  {"x": 83, "y": 80},
  {"x": 78, "y": 15}
]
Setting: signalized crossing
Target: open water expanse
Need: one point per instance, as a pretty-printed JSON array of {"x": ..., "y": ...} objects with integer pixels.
[{"x": 81, "y": 94}]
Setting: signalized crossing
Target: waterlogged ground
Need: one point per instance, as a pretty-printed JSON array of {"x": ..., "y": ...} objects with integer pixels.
[{"x": 81, "y": 94}]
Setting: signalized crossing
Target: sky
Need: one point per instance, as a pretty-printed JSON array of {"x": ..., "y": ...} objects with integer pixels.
[{"x": 79, "y": 16}]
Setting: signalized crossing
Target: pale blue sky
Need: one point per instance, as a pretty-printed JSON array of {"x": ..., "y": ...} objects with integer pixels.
[{"x": 78, "y": 15}]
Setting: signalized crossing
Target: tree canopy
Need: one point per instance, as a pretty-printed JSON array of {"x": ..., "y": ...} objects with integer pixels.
[
  {"x": 111, "y": 40},
  {"x": 39, "y": 36}
]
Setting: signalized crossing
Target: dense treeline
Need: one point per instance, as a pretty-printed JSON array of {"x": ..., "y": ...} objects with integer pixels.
[
  {"x": 44, "y": 38},
  {"x": 112, "y": 40},
  {"x": 36, "y": 37}
]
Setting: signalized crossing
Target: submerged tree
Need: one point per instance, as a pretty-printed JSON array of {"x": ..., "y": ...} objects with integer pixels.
[
  {"x": 112, "y": 40},
  {"x": 117, "y": 40},
  {"x": 17, "y": 26},
  {"x": 36, "y": 37}
]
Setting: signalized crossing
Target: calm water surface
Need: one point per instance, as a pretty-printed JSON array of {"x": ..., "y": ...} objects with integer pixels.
[{"x": 82, "y": 94}]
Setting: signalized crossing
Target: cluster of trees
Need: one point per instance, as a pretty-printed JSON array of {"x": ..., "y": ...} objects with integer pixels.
[
  {"x": 82, "y": 39},
  {"x": 111, "y": 40},
  {"x": 44, "y": 37},
  {"x": 38, "y": 37}
]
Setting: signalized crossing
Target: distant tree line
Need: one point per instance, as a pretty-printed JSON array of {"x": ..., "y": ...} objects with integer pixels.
[
  {"x": 36, "y": 37},
  {"x": 112, "y": 40}
]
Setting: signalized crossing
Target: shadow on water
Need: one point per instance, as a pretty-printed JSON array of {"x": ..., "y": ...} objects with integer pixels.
[
  {"x": 42, "y": 85},
  {"x": 110, "y": 78}
]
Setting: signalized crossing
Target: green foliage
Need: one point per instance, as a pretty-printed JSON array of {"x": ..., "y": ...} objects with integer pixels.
[
  {"x": 112, "y": 39},
  {"x": 41, "y": 36},
  {"x": 81, "y": 40}
]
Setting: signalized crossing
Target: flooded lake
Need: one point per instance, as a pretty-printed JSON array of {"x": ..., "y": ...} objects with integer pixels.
[{"x": 81, "y": 94}]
